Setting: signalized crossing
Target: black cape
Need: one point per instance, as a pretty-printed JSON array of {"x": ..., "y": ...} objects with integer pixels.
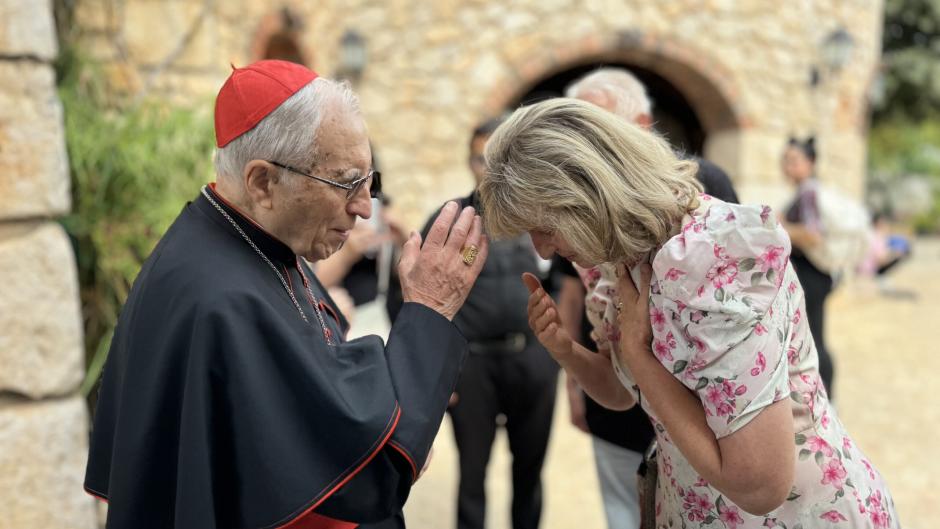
[{"x": 221, "y": 407}]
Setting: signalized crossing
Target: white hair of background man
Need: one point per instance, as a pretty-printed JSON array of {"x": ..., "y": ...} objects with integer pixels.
[
  {"x": 288, "y": 134},
  {"x": 619, "y": 86}
]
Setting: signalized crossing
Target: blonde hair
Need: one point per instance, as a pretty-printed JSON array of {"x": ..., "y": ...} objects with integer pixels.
[{"x": 613, "y": 190}]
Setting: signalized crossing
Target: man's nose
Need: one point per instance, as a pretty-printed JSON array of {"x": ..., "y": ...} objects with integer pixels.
[{"x": 360, "y": 204}]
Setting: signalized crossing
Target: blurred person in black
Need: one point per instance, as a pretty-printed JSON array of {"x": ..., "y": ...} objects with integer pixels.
[
  {"x": 619, "y": 437},
  {"x": 803, "y": 223},
  {"x": 507, "y": 375}
]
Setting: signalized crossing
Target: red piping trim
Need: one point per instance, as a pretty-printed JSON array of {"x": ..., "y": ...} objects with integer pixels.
[
  {"x": 242, "y": 213},
  {"x": 96, "y": 495},
  {"x": 295, "y": 522},
  {"x": 400, "y": 449}
]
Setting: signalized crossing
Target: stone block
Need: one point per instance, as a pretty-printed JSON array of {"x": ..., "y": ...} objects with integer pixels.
[
  {"x": 42, "y": 465},
  {"x": 41, "y": 348},
  {"x": 34, "y": 178},
  {"x": 27, "y": 29}
]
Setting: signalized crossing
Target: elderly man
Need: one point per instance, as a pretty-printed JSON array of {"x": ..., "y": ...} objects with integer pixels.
[
  {"x": 230, "y": 398},
  {"x": 619, "y": 437}
]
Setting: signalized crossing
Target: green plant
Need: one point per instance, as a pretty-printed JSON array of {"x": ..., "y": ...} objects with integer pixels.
[
  {"x": 900, "y": 149},
  {"x": 133, "y": 167}
]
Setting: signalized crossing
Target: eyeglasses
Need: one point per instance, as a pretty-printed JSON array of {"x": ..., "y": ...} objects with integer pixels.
[{"x": 351, "y": 188}]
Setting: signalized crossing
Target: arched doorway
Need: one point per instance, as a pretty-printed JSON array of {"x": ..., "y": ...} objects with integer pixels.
[
  {"x": 278, "y": 37},
  {"x": 673, "y": 115}
]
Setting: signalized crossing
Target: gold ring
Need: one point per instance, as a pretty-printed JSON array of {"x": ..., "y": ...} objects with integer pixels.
[{"x": 469, "y": 254}]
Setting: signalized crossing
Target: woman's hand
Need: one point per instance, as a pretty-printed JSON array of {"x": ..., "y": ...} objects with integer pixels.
[
  {"x": 633, "y": 313},
  {"x": 544, "y": 320}
]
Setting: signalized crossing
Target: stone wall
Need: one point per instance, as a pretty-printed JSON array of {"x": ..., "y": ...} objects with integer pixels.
[
  {"x": 43, "y": 420},
  {"x": 435, "y": 69}
]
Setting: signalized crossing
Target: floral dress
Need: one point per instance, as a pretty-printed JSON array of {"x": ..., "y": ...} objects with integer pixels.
[{"x": 728, "y": 321}]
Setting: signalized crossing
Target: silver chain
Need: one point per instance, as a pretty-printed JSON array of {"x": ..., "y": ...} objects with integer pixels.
[{"x": 277, "y": 272}]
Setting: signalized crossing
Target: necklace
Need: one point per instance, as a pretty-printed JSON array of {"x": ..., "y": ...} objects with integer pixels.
[{"x": 313, "y": 299}]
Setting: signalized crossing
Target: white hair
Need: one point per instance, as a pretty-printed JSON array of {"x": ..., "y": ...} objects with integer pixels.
[
  {"x": 627, "y": 93},
  {"x": 288, "y": 134}
]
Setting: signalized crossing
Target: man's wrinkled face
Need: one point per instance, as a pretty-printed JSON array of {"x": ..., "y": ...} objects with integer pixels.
[{"x": 316, "y": 218}]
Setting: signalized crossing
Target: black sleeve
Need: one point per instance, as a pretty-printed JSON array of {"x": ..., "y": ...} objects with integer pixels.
[
  {"x": 424, "y": 353},
  {"x": 716, "y": 181}
]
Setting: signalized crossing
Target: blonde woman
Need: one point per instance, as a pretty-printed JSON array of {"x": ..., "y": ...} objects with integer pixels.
[{"x": 705, "y": 321}]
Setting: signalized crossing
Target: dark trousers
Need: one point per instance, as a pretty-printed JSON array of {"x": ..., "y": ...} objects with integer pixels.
[
  {"x": 817, "y": 285},
  {"x": 521, "y": 386}
]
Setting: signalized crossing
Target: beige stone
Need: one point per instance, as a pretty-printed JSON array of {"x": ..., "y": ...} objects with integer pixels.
[
  {"x": 461, "y": 60},
  {"x": 42, "y": 465},
  {"x": 33, "y": 164},
  {"x": 26, "y": 28},
  {"x": 41, "y": 348}
]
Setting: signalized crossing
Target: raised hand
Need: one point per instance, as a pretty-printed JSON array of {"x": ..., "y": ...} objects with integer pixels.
[
  {"x": 435, "y": 273},
  {"x": 544, "y": 320},
  {"x": 633, "y": 312}
]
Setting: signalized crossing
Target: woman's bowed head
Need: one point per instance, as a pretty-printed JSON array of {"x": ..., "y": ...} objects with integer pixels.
[{"x": 584, "y": 183}]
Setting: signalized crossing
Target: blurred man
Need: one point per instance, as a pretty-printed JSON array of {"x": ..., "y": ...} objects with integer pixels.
[
  {"x": 619, "y": 437},
  {"x": 507, "y": 375},
  {"x": 230, "y": 398}
]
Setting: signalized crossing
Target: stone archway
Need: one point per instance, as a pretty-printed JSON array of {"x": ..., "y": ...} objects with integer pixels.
[
  {"x": 693, "y": 79},
  {"x": 278, "y": 37}
]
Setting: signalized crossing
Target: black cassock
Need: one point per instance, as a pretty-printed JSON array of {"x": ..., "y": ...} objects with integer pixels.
[{"x": 221, "y": 407}]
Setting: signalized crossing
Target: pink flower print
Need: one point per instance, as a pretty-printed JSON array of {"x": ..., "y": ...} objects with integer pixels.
[
  {"x": 846, "y": 444},
  {"x": 701, "y": 291},
  {"x": 773, "y": 258},
  {"x": 824, "y": 421},
  {"x": 692, "y": 504},
  {"x": 722, "y": 273},
  {"x": 674, "y": 274},
  {"x": 662, "y": 351},
  {"x": 696, "y": 316},
  {"x": 730, "y": 217},
  {"x": 760, "y": 330},
  {"x": 818, "y": 444},
  {"x": 727, "y": 387},
  {"x": 871, "y": 471},
  {"x": 703, "y": 503},
  {"x": 725, "y": 408},
  {"x": 714, "y": 396},
  {"x": 761, "y": 364},
  {"x": 699, "y": 345},
  {"x": 793, "y": 356},
  {"x": 671, "y": 341},
  {"x": 657, "y": 318},
  {"x": 874, "y": 501},
  {"x": 770, "y": 522},
  {"x": 833, "y": 516},
  {"x": 720, "y": 252},
  {"x": 834, "y": 473},
  {"x": 701, "y": 482},
  {"x": 879, "y": 519},
  {"x": 791, "y": 288},
  {"x": 681, "y": 306},
  {"x": 796, "y": 317},
  {"x": 764, "y": 213},
  {"x": 729, "y": 515}
]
